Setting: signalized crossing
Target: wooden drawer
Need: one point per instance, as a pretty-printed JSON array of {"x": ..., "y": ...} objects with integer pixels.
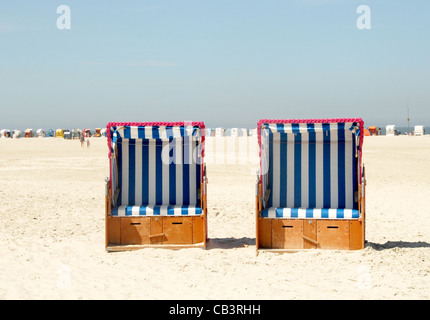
[
  {"x": 287, "y": 234},
  {"x": 135, "y": 231},
  {"x": 333, "y": 234},
  {"x": 178, "y": 230}
]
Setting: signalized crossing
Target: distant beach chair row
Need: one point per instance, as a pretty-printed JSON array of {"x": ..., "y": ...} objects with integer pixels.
[
  {"x": 391, "y": 130},
  {"x": 232, "y": 132},
  {"x": 310, "y": 189},
  {"x": 58, "y": 133}
]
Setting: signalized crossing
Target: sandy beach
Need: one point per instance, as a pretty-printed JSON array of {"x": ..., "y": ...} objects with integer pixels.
[{"x": 53, "y": 228}]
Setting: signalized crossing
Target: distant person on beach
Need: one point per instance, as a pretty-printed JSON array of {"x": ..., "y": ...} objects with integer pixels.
[
  {"x": 88, "y": 143},
  {"x": 82, "y": 140}
]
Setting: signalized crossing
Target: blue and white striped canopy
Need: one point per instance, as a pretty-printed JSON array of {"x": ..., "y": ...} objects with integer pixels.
[
  {"x": 156, "y": 166},
  {"x": 310, "y": 165}
]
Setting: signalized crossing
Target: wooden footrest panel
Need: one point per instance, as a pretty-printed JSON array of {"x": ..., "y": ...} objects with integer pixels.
[
  {"x": 144, "y": 231},
  {"x": 287, "y": 234},
  {"x": 310, "y": 234},
  {"x": 178, "y": 231},
  {"x": 135, "y": 231},
  {"x": 333, "y": 234}
]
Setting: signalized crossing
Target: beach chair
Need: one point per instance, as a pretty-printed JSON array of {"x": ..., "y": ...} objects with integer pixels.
[
  {"x": 87, "y": 133},
  {"x": 29, "y": 133},
  {"x": 310, "y": 189},
  {"x": 156, "y": 192},
  {"x": 59, "y": 133},
  {"x": 373, "y": 131}
]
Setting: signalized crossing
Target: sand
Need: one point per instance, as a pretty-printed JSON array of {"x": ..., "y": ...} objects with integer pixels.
[{"x": 52, "y": 237}]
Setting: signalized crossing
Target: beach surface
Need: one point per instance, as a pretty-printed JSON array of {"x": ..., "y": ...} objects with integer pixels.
[{"x": 53, "y": 228}]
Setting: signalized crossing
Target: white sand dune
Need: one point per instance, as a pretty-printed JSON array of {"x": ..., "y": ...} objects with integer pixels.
[{"x": 52, "y": 236}]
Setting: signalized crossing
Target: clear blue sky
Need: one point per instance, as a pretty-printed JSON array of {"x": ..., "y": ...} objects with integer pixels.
[{"x": 225, "y": 62}]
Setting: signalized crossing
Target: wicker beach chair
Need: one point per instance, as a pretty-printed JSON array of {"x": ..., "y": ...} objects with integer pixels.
[
  {"x": 156, "y": 192},
  {"x": 311, "y": 185}
]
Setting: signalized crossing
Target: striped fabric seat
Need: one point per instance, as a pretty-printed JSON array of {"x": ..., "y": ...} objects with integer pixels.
[
  {"x": 163, "y": 210},
  {"x": 309, "y": 170},
  {"x": 291, "y": 213},
  {"x": 156, "y": 170}
]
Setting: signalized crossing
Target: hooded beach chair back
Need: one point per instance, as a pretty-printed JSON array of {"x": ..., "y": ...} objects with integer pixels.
[
  {"x": 310, "y": 164},
  {"x": 156, "y": 164}
]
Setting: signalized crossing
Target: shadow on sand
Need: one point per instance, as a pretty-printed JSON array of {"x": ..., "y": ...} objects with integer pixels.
[
  {"x": 234, "y": 243},
  {"x": 230, "y": 243},
  {"x": 398, "y": 244}
]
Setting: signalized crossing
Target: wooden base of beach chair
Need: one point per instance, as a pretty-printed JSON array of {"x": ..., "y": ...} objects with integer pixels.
[
  {"x": 119, "y": 248},
  {"x": 310, "y": 234},
  {"x": 128, "y": 233},
  {"x": 174, "y": 232}
]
